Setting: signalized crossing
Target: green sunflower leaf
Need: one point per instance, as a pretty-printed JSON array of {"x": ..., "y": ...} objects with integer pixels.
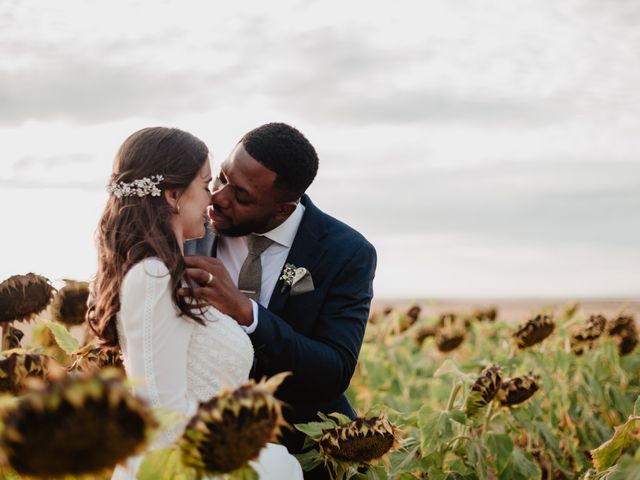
[{"x": 64, "y": 339}]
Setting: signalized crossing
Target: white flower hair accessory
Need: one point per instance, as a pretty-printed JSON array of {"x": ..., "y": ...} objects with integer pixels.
[
  {"x": 140, "y": 187},
  {"x": 298, "y": 279}
]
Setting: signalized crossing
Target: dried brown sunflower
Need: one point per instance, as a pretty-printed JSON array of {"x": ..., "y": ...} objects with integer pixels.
[
  {"x": 15, "y": 368},
  {"x": 70, "y": 303},
  {"x": 22, "y": 297},
  {"x": 230, "y": 429},
  {"x": 360, "y": 441},
  {"x": 623, "y": 328},
  {"x": 586, "y": 338},
  {"x": 483, "y": 390},
  {"x": 446, "y": 319},
  {"x": 518, "y": 389},
  {"x": 345, "y": 445},
  {"x": 75, "y": 426},
  {"x": 423, "y": 333},
  {"x": 410, "y": 318},
  {"x": 534, "y": 331},
  {"x": 94, "y": 357},
  {"x": 620, "y": 325},
  {"x": 487, "y": 315},
  {"x": 450, "y": 336},
  {"x": 14, "y": 337}
]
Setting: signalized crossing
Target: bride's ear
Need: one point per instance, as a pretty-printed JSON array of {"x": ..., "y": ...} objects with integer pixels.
[{"x": 171, "y": 196}]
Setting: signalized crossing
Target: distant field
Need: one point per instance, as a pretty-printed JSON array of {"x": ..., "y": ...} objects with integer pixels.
[{"x": 515, "y": 310}]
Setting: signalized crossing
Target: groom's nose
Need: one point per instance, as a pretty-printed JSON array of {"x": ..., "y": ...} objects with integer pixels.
[{"x": 220, "y": 196}]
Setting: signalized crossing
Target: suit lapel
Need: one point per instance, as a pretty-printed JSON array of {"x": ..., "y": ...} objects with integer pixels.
[
  {"x": 214, "y": 247},
  {"x": 306, "y": 251}
]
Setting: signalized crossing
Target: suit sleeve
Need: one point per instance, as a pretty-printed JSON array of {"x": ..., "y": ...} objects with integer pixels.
[{"x": 323, "y": 363}]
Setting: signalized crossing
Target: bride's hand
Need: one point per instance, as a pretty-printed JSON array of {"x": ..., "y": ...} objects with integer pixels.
[{"x": 217, "y": 288}]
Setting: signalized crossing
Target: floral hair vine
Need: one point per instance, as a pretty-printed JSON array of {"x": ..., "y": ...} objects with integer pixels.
[{"x": 140, "y": 187}]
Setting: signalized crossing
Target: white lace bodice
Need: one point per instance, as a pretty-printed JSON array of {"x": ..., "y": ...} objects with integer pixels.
[{"x": 220, "y": 355}]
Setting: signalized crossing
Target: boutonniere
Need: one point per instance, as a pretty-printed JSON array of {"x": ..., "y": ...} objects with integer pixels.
[{"x": 297, "y": 279}]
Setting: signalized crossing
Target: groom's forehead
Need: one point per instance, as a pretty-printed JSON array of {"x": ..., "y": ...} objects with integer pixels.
[{"x": 245, "y": 172}]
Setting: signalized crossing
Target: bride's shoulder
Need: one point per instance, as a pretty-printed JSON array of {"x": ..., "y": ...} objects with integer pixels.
[{"x": 144, "y": 270}]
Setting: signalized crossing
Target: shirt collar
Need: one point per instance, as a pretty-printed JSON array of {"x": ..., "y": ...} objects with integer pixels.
[{"x": 285, "y": 233}]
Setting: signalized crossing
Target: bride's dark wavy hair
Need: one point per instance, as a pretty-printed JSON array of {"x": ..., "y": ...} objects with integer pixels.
[{"x": 133, "y": 228}]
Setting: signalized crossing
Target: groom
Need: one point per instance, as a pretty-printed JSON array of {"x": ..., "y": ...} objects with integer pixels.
[{"x": 311, "y": 325}]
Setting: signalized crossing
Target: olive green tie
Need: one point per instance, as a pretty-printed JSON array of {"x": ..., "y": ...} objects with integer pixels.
[{"x": 250, "y": 277}]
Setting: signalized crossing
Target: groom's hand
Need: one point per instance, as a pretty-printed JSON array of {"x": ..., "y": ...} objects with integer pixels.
[{"x": 220, "y": 292}]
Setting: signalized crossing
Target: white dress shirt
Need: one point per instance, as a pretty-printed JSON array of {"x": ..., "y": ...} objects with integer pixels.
[{"x": 233, "y": 251}]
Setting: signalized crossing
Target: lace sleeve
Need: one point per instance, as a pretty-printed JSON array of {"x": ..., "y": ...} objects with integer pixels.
[{"x": 155, "y": 339}]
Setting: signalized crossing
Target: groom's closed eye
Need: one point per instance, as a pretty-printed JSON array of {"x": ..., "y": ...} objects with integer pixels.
[{"x": 240, "y": 194}]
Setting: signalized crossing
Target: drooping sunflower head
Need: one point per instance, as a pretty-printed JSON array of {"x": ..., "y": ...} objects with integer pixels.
[
  {"x": 409, "y": 318},
  {"x": 486, "y": 315},
  {"x": 94, "y": 357},
  {"x": 450, "y": 336},
  {"x": 534, "y": 331},
  {"x": 518, "y": 389},
  {"x": 230, "y": 429},
  {"x": 623, "y": 328},
  {"x": 483, "y": 390},
  {"x": 621, "y": 324},
  {"x": 423, "y": 333},
  {"x": 361, "y": 441},
  {"x": 14, "y": 337},
  {"x": 22, "y": 297},
  {"x": 70, "y": 304},
  {"x": 594, "y": 328},
  {"x": 15, "y": 368},
  {"x": 414, "y": 312},
  {"x": 587, "y": 336},
  {"x": 578, "y": 345},
  {"x": 447, "y": 319},
  {"x": 627, "y": 342},
  {"x": 75, "y": 426}
]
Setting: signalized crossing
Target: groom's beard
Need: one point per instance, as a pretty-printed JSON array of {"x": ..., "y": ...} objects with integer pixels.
[{"x": 240, "y": 230}]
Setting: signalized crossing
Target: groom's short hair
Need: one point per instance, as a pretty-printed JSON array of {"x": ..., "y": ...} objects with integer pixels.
[{"x": 285, "y": 151}]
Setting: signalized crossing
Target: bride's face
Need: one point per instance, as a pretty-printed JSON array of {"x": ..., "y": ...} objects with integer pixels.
[{"x": 194, "y": 203}]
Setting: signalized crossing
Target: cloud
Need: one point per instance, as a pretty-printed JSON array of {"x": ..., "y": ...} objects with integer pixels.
[
  {"x": 542, "y": 203},
  {"x": 53, "y": 161},
  {"x": 332, "y": 72},
  {"x": 29, "y": 184},
  {"x": 93, "y": 90}
]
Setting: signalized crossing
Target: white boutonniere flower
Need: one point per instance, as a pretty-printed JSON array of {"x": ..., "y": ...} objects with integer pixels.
[{"x": 297, "y": 279}]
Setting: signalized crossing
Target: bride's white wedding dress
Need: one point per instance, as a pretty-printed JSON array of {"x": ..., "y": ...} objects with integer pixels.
[{"x": 175, "y": 363}]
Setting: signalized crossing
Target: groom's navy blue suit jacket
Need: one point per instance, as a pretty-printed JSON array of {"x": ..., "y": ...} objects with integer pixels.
[{"x": 315, "y": 335}]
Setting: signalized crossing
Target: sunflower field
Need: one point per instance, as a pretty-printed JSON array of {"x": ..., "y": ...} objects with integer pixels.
[
  {"x": 450, "y": 396},
  {"x": 556, "y": 397}
]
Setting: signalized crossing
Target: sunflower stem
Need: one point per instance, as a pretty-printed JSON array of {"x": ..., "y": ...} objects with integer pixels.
[
  {"x": 487, "y": 418},
  {"x": 453, "y": 443},
  {"x": 452, "y": 397},
  {"x": 6, "y": 329}
]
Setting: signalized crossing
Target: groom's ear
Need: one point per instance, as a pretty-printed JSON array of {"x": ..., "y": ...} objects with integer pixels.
[{"x": 285, "y": 209}]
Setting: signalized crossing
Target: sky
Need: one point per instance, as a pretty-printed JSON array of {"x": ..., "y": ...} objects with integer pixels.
[{"x": 486, "y": 149}]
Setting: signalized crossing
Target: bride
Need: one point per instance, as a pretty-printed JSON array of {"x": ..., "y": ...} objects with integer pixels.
[{"x": 177, "y": 354}]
